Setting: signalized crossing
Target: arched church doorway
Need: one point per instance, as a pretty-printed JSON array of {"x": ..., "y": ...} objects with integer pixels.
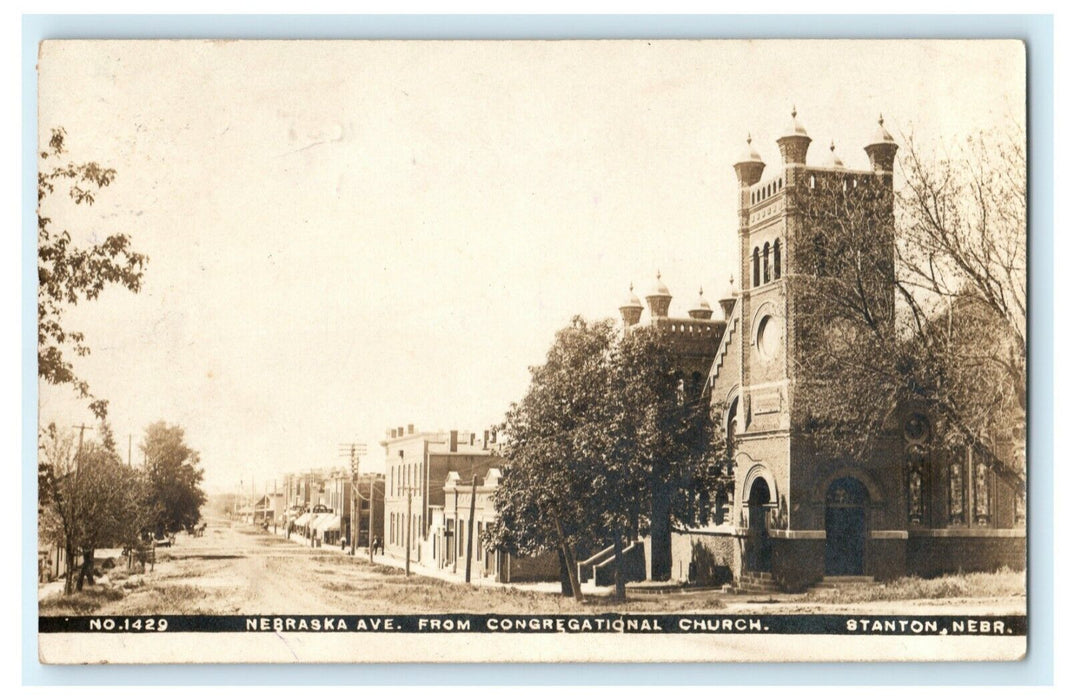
[
  {"x": 846, "y": 523},
  {"x": 759, "y": 546}
]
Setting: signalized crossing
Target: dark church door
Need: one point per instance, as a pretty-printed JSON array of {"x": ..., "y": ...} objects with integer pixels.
[
  {"x": 847, "y": 500},
  {"x": 759, "y": 545}
]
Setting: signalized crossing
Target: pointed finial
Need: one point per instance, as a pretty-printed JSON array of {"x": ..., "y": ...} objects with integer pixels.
[
  {"x": 732, "y": 283},
  {"x": 880, "y": 118},
  {"x": 832, "y": 146},
  {"x": 701, "y": 291},
  {"x": 632, "y": 286},
  {"x": 749, "y": 137},
  {"x": 658, "y": 274},
  {"x": 793, "y": 112}
]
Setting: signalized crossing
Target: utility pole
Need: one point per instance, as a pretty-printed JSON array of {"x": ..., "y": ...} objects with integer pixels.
[
  {"x": 471, "y": 528},
  {"x": 456, "y": 529},
  {"x": 354, "y": 450},
  {"x": 371, "y": 521},
  {"x": 408, "y": 542},
  {"x": 81, "y": 436}
]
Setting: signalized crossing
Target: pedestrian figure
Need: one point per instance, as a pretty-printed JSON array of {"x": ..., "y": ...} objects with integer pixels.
[{"x": 376, "y": 545}]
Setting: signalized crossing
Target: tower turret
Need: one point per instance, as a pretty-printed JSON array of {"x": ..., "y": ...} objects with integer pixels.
[
  {"x": 833, "y": 161},
  {"x": 631, "y": 309},
  {"x": 701, "y": 309},
  {"x": 750, "y": 166},
  {"x": 659, "y": 299},
  {"x": 794, "y": 143},
  {"x": 728, "y": 300},
  {"x": 881, "y": 150}
]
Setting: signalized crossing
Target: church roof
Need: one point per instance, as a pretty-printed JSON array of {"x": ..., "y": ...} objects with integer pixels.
[
  {"x": 631, "y": 301},
  {"x": 701, "y": 304},
  {"x": 794, "y": 127},
  {"x": 833, "y": 161},
  {"x": 749, "y": 154},
  {"x": 660, "y": 289},
  {"x": 881, "y": 135}
]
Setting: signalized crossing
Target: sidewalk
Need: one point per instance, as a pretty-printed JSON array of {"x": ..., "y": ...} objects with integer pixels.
[{"x": 449, "y": 575}]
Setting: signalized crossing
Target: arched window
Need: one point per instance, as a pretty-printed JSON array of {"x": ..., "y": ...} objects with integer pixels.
[
  {"x": 731, "y": 429},
  {"x": 756, "y": 267},
  {"x": 767, "y": 262},
  {"x": 778, "y": 259}
]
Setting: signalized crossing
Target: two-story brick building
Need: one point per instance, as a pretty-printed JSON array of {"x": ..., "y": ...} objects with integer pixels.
[{"x": 417, "y": 467}]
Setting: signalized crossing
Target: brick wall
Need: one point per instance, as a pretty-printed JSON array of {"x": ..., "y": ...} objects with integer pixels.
[
  {"x": 885, "y": 558},
  {"x": 544, "y": 567},
  {"x": 797, "y": 564},
  {"x": 928, "y": 555},
  {"x": 703, "y": 559}
]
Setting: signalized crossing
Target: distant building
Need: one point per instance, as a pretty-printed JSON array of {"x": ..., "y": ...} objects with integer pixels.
[
  {"x": 417, "y": 466},
  {"x": 269, "y": 508},
  {"x": 371, "y": 507},
  {"x": 457, "y": 529},
  {"x": 304, "y": 490}
]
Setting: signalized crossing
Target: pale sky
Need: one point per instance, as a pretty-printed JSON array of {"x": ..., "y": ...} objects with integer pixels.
[{"x": 347, "y": 236}]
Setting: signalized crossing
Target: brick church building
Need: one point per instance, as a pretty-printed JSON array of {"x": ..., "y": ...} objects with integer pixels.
[{"x": 796, "y": 517}]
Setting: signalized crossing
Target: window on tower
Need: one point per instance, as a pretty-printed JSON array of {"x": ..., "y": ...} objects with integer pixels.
[
  {"x": 767, "y": 261},
  {"x": 778, "y": 259},
  {"x": 756, "y": 267}
]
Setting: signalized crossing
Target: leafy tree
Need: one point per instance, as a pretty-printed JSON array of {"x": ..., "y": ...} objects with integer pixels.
[
  {"x": 671, "y": 456},
  {"x": 604, "y": 448},
  {"x": 848, "y": 370},
  {"x": 543, "y": 503},
  {"x": 69, "y": 273},
  {"x": 90, "y": 499},
  {"x": 174, "y": 493},
  {"x": 918, "y": 304}
]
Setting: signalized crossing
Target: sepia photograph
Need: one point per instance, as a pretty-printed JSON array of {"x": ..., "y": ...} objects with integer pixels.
[{"x": 532, "y": 351}]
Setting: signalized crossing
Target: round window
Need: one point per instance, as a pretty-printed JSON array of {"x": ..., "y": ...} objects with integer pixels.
[{"x": 768, "y": 336}]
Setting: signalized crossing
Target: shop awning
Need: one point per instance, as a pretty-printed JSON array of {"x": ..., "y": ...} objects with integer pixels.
[
  {"x": 334, "y": 523},
  {"x": 319, "y": 520},
  {"x": 303, "y": 520}
]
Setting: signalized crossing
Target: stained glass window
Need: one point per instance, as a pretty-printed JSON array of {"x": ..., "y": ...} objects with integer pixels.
[
  {"x": 982, "y": 494},
  {"x": 916, "y": 463},
  {"x": 956, "y": 494},
  {"x": 915, "y": 497}
]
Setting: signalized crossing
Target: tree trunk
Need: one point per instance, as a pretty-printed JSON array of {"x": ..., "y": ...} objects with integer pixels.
[
  {"x": 621, "y": 575},
  {"x": 660, "y": 535},
  {"x": 86, "y": 571},
  {"x": 68, "y": 575},
  {"x": 569, "y": 560},
  {"x": 565, "y": 579},
  {"x": 91, "y": 567}
]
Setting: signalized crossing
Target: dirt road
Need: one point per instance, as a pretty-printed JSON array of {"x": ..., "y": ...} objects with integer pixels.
[{"x": 235, "y": 570}]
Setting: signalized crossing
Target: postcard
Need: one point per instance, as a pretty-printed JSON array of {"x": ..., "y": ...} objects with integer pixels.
[{"x": 550, "y": 351}]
